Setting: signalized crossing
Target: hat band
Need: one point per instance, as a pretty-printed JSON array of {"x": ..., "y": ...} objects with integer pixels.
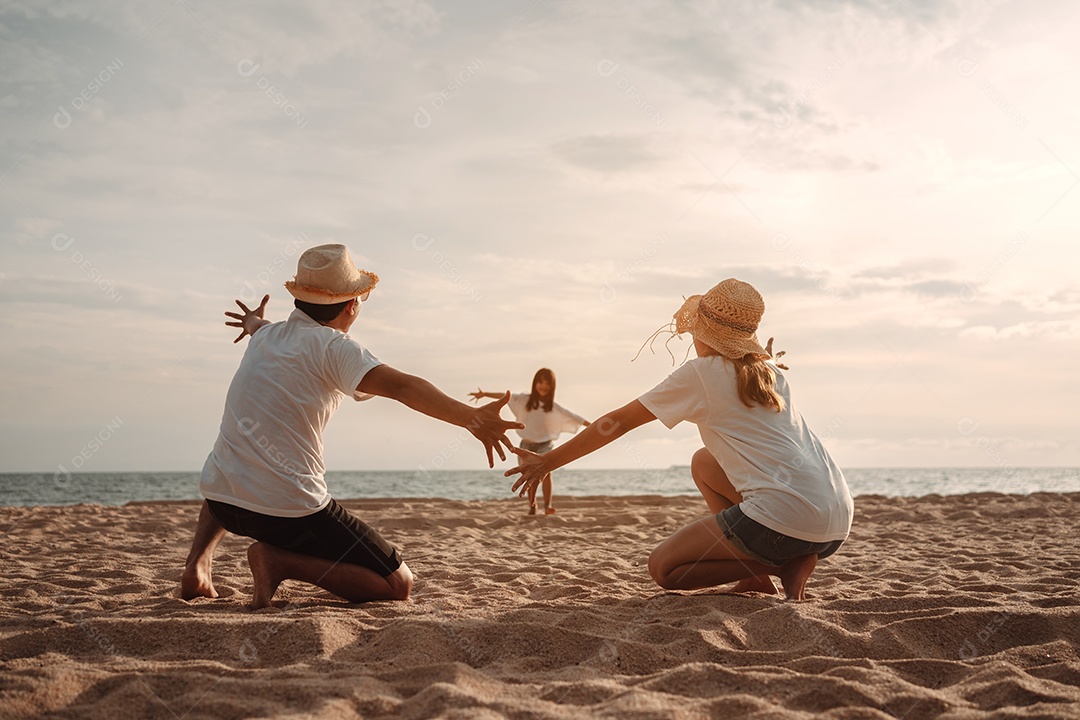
[{"x": 707, "y": 312}]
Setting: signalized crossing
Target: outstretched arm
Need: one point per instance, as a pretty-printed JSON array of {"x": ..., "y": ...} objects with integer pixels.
[
  {"x": 606, "y": 429},
  {"x": 480, "y": 394},
  {"x": 483, "y": 422},
  {"x": 251, "y": 320}
]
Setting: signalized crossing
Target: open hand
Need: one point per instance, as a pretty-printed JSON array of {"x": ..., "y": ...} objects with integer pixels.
[
  {"x": 777, "y": 356},
  {"x": 250, "y": 321},
  {"x": 488, "y": 427},
  {"x": 478, "y": 395},
  {"x": 532, "y": 469}
]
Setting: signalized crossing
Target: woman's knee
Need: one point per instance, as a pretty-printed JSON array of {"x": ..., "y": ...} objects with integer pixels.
[
  {"x": 659, "y": 568},
  {"x": 703, "y": 462}
]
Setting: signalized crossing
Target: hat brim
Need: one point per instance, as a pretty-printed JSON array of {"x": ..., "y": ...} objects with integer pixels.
[{"x": 323, "y": 296}]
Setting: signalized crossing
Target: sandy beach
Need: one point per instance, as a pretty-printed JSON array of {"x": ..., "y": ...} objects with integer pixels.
[{"x": 960, "y": 607}]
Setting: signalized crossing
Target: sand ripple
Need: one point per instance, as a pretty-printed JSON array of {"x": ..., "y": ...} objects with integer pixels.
[{"x": 957, "y": 607}]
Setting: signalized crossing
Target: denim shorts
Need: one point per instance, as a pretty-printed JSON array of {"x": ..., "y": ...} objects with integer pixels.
[
  {"x": 332, "y": 533},
  {"x": 768, "y": 546}
]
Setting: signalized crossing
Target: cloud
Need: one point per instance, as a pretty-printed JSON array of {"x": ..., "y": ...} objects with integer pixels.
[
  {"x": 95, "y": 291},
  {"x": 567, "y": 222},
  {"x": 608, "y": 154},
  {"x": 1046, "y": 330}
]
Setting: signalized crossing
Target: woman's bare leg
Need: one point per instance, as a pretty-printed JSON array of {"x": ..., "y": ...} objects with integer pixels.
[
  {"x": 720, "y": 494},
  {"x": 271, "y": 565},
  {"x": 699, "y": 556},
  {"x": 546, "y": 483},
  {"x": 532, "y": 500},
  {"x": 713, "y": 482},
  {"x": 197, "y": 580}
]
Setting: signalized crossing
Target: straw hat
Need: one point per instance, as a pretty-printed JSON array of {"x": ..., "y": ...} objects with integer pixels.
[
  {"x": 326, "y": 274},
  {"x": 725, "y": 318}
]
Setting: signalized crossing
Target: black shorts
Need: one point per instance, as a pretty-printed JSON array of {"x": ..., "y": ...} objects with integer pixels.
[{"x": 331, "y": 533}]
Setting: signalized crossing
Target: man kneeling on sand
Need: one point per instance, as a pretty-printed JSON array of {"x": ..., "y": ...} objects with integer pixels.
[{"x": 265, "y": 476}]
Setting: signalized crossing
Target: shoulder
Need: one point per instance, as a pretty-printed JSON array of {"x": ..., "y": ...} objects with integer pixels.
[
  {"x": 345, "y": 341},
  {"x": 698, "y": 369}
]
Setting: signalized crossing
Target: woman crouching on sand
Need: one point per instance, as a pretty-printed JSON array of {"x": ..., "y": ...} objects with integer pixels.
[{"x": 780, "y": 502}]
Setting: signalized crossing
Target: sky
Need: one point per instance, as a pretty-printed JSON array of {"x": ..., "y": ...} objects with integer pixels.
[{"x": 538, "y": 184}]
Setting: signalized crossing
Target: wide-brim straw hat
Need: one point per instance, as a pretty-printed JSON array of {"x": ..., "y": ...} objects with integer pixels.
[
  {"x": 326, "y": 274},
  {"x": 726, "y": 319}
]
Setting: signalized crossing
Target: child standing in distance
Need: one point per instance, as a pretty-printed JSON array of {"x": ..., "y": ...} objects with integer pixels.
[
  {"x": 779, "y": 501},
  {"x": 544, "y": 421}
]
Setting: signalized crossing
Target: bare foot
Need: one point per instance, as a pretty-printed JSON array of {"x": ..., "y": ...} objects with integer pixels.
[
  {"x": 549, "y": 511},
  {"x": 758, "y": 584},
  {"x": 794, "y": 575},
  {"x": 264, "y": 573},
  {"x": 196, "y": 582},
  {"x": 532, "y": 510}
]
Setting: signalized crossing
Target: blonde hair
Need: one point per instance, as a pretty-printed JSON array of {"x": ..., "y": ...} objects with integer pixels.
[{"x": 754, "y": 379}]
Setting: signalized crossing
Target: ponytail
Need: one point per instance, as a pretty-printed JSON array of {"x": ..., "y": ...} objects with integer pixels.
[{"x": 756, "y": 383}]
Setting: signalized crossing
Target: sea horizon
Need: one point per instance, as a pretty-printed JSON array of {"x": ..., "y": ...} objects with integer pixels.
[{"x": 118, "y": 488}]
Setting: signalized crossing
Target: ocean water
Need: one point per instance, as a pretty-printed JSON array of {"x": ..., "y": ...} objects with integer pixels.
[{"x": 118, "y": 488}]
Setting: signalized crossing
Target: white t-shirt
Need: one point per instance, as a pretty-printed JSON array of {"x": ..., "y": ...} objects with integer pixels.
[
  {"x": 786, "y": 478},
  {"x": 540, "y": 426},
  {"x": 269, "y": 454}
]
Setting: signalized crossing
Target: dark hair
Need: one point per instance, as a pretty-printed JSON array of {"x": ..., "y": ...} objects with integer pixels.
[
  {"x": 534, "y": 397},
  {"x": 321, "y": 313}
]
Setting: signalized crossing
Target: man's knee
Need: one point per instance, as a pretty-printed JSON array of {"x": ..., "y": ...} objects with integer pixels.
[{"x": 401, "y": 582}]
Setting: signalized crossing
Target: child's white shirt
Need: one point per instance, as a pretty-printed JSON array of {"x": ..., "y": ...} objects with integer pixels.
[{"x": 540, "y": 426}]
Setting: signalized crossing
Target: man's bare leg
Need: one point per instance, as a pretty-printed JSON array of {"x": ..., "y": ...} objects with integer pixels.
[
  {"x": 699, "y": 556},
  {"x": 197, "y": 580},
  {"x": 546, "y": 484},
  {"x": 532, "y": 500},
  {"x": 271, "y": 565},
  {"x": 719, "y": 495}
]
